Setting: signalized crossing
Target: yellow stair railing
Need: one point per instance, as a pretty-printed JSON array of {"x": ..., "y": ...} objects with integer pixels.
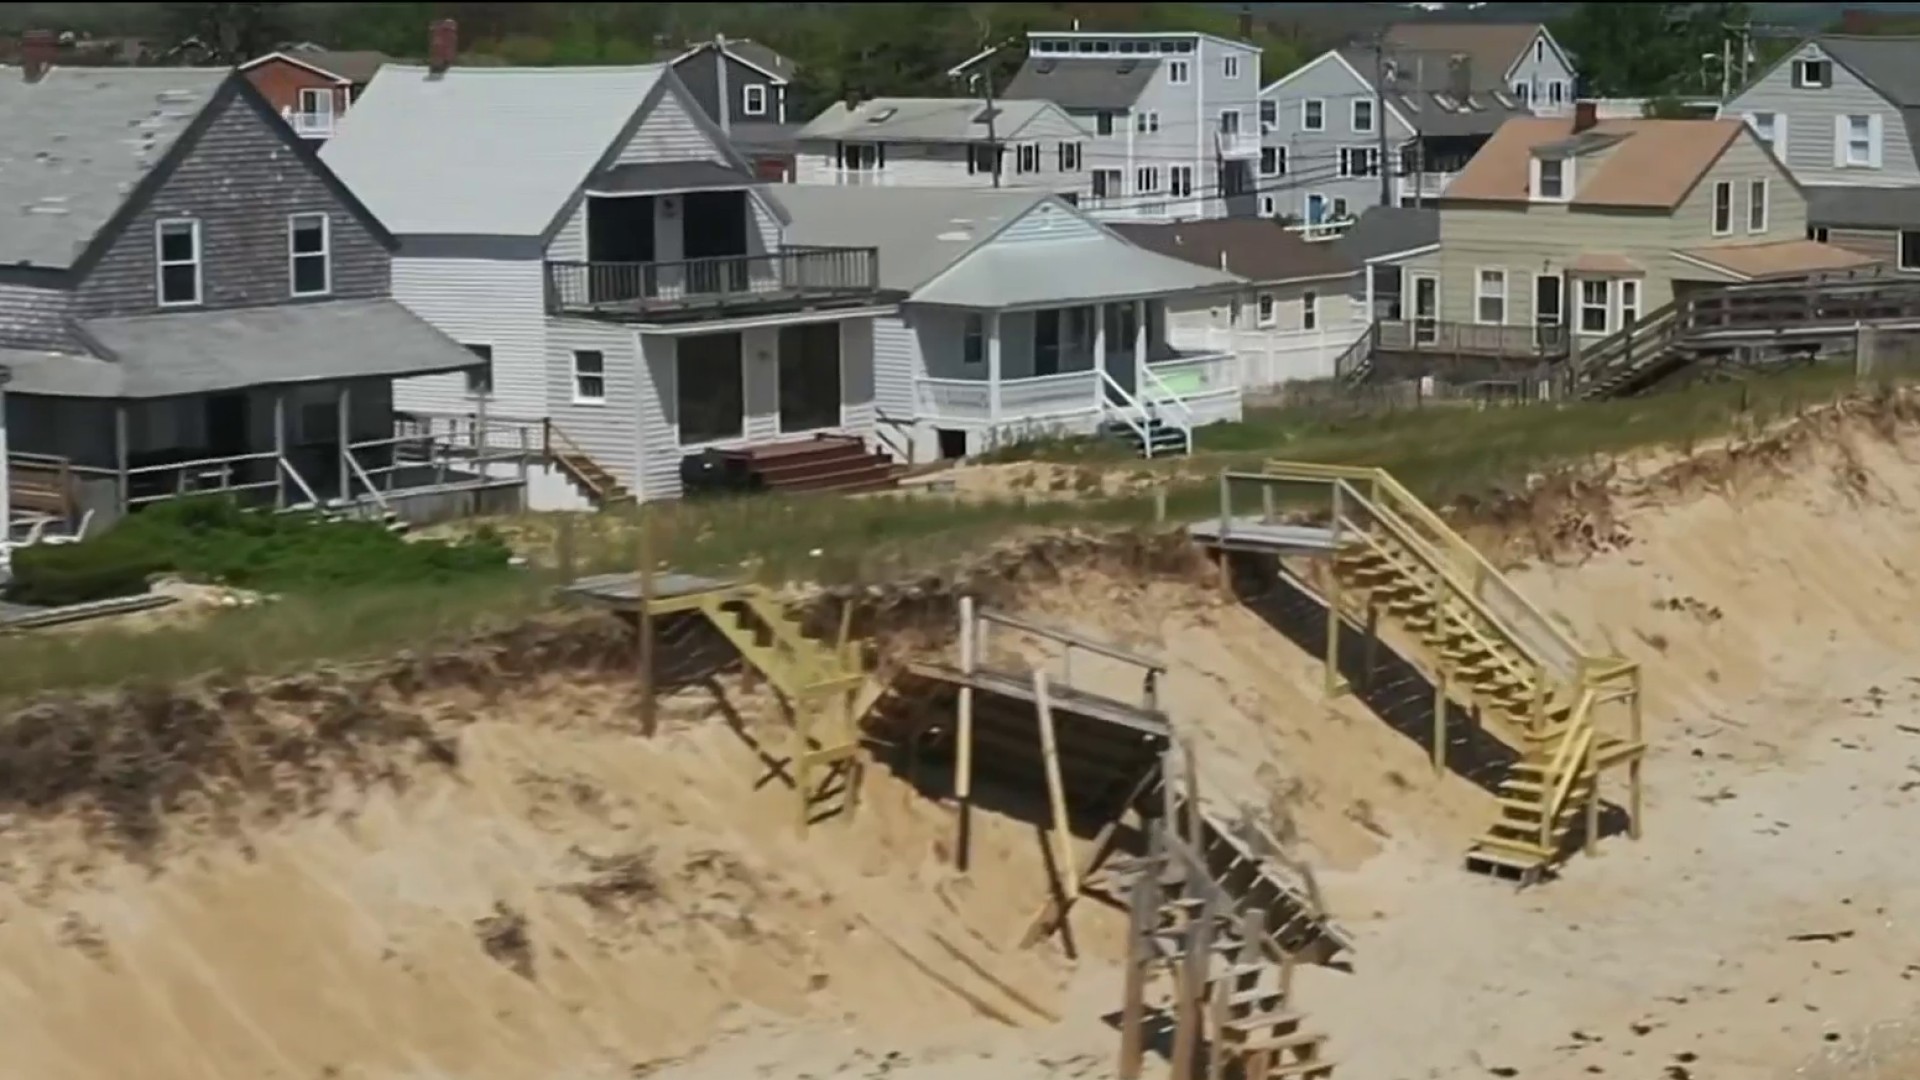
[{"x": 1488, "y": 644}]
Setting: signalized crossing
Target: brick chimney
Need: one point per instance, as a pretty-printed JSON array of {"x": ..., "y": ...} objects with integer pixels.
[
  {"x": 38, "y": 50},
  {"x": 1460, "y": 77},
  {"x": 852, "y": 98},
  {"x": 1246, "y": 22},
  {"x": 1856, "y": 21},
  {"x": 1585, "y": 115},
  {"x": 443, "y": 44}
]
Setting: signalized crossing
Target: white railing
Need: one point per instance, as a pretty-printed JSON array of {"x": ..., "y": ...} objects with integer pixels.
[
  {"x": 317, "y": 125},
  {"x": 1237, "y": 145},
  {"x": 1045, "y": 397},
  {"x": 1167, "y": 406},
  {"x": 1194, "y": 377},
  {"x": 1424, "y": 185},
  {"x": 1119, "y": 405},
  {"x": 1323, "y": 230},
  {"x": 965, "y": 400}
]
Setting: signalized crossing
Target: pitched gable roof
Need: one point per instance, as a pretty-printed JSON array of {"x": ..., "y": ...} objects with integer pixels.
[
  {"x": 763, "y": 58},
  {"x": 483, "y": 151},
  {"x": 929, "y": 120},
  {"x": 1891, "y": 65},
  {"x": 919, "y": 232},
  {"x": 1258, "y": 249},
  {"x": 78, "y": 142},
  {"x": 1074, "y": 83},
  {"x": 1493, "y": 48},
  {"x": 346, "y": 65},
  {"x": 1651, "y": 163}
]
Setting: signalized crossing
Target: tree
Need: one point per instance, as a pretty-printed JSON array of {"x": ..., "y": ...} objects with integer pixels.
[
  {"x": 227, "y": 33},
  {"x": 1649, "y": 50}
]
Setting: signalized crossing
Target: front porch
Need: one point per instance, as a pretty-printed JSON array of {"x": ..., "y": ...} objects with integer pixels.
[{"x": 1027, "y": 373}]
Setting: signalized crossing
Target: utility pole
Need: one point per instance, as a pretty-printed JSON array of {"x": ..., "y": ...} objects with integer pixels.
[
  {"x": 993, "y": 137},
  {"x": 1380, "y": 113},
  {"x": 1419, "y": 141},
  {"x": 720, "y": 81}
]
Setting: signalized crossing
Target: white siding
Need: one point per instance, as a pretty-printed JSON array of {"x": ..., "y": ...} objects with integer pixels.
[
  {"x": 496, "y": 302},
  {"x": 1313, "y": 157},
  {"x": 896, "y": 365},
  {"x": 1045, "y": 222},
  {"x": 1279, "y": 353},
  {"x": 945, "y": 165},
  {"x": 669, "y": 225},
  {"x": 1811, "y": 116},
  {"x": 857, "y": 375},
  {"x": 609, "y": 431},
  {"x": 1538, "y": 68},
  {"x": 670, "y": 133},
  {"x": 659, "y": 427}
]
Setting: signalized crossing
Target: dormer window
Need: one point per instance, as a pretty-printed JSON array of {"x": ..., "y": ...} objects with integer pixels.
[
  {"x": 1812, "y": 74},
  {"x": 1552, "y": 179},
  {"x": 753, "y": 100}
]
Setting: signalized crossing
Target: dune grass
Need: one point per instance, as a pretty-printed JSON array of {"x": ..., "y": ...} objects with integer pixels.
[{"x": 1438, "y": 452}]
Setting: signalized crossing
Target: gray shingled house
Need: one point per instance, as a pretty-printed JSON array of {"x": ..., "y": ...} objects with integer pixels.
[{"x": 190, "y": 300}]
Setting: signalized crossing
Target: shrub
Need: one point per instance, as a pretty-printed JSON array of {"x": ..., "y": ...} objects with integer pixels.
[{"x": 216, "y": 540}]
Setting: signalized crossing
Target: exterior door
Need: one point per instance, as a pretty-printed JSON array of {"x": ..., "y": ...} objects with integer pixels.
[
  {"x": 715, "y": 224},
  {"x": 1549, "y": 310},
  {"x": 1426, "y": 308}
]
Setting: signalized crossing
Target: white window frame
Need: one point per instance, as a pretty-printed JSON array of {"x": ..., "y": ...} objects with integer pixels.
[
  {"x": 1759, "y": 205},
  {"x": 1146, "y": 121},
  {"x": 303, "y": 102},
  {"x": 580, "y": 395},
  {"x": 1180, "y": 180},
  {"x": 1179, "y": 72},
  {"x": 1368, "y": 162},
  {"x": 1268, "y": 206},
  {"x": 1481, "y": 296},
  {"x": 1539, "y": 50},
  {"x": 1230, "y": 66},
  {"x": 1538, "y": 185},
  {"x": 1235, "y": 129},
  {"x": 1146, "y": 180},
  {"x": 1353, "y": 116},
  {"x": 485, "y": 388},
  {"x": 1800, "y": 80},
  {"x": 753, "y": 99},
  {"x": 1266, "y": 310},
  {"x": 1309, "y": 310},
  {"x": 1900, "y": 249},
  {"x": 1621, "y": 307},
  {"x": 160, "y": 263},
  {"x": 1279, "y": 154},
  {"x": 1068, "y": 157},
  {"x": 1306, "y": 114},
  {"x": 1523, "y": 93},
  {"x": 1721, "y": 187},
  {"x": 1026, "y": 158},
  {"x": 1582, "y": 306},
  {"x": 1269, "y": 113},
  {"x": 1556, "y": 92},
  {"x": 325, "y": 254},
  {"x": 847, "y": 157},
  {"x": 1870, "y": 155},
  {"x": 973, "y": 340}
]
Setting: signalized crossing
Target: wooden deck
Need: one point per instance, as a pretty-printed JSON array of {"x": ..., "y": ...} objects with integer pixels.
[
  {"x": 1018, "y": 686},
  {"x": 1256, "y": 534},
  {"x": 621, "y": 592}
]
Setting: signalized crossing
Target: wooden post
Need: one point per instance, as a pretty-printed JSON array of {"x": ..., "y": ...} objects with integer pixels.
[
  {"x": 280, "y": 449},
  {"x": 1335, "y": 684},
  {"x": 1133, "y": 1004},
  {"x": 1056, "y": 791},
  {"x": 643, "y": 626},
  {"x": 1192, "y": 990},
  {"x": 1370, "y": 659},
  {"x": 1633, "y": 766},
  {"x": 1593, "y": 811},
  {"x": 1191, "y": 767},
  {"x": 1440, "y": 722},
  {"x": 963, "y": 765}
]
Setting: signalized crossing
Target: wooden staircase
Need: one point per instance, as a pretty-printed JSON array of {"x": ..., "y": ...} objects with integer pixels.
[
  {"x": 841, "y": 464},
  {"x": 1488, "y": 649},
  {"x": 1232, "y": 972},
  {"x": 825, "y": 685},
  {"x": 600, "y": 487}
]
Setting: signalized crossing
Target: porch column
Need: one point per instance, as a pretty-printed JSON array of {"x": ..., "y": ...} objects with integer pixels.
[
  {"x": 120, "y": 453},
  {"x": 279, "y": 449},
  {"x": 1367, "y": 269},
  {"x": 344, "y": 406},
  {"x": 993, "y": 377},
  {"x": 1099, "y": 353},
  {"x": 1139, "y": 343}
]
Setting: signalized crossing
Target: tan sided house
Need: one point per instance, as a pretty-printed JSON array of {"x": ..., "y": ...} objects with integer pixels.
[{"x": 1564, "y": 230}]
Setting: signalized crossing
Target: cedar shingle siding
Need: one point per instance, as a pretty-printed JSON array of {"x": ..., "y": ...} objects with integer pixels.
[{"x": 241, "y": 181}]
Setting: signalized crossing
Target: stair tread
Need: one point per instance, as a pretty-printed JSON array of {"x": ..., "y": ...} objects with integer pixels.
[
  {"x": 1262, "y": 1020},
  {"x": 1291, "y": 1040}
]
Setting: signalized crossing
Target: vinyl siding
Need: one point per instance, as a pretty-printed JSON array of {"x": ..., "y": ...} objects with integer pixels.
[
  {"x": 1530, "y": 239},
  {"x": 1313, "y": 157},
  {"x": 1044, "y": 223},
  {"x": 670, "y": 133},
  {"x": 241, "y": 182},
  {"x": 497, "y": 302},
  {"x": 1882, "y": 244},
  {"x": 1538, "y": 74},
  {"x": 1185, "y": 138},
  {"x": 896, "y": 366},
  {"x": 1811, "y": 117},
  {"x": 1217, "y": 93},
  {"x": 945, "y": 165},
  {"x": 700, "y": 74},
  {"x": 1280, "y": 353},
  {"x": 609, "y": 432},
  {"x": 33, "y": 318}
]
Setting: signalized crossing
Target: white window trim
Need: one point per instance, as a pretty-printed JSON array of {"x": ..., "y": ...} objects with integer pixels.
[
  {"x": 160, "y": 264},
  {"x": 1271, "y": 316},
  {"x": 1182, "y": 68},
  {"x": 1765, "y": 187},
  {"x": 1900, "y": 247},
  {"x": 1304, "y": 125},
  {"x": 1176, "y": 173},
  {"x": 1580, "y": 306},
  {"x": 1566, "y": 182},
  {"x": 1617, "y": 302},
  {"x": 1353, "y": 116},
  {"x": 1480, "y": 293},
  {"x": 325, "y": 255},
  {"x": 753, "y": 99},
  {"x": 1713, "y": 208},
  {"x": 574, "y": 360},
  {"x": 1230, "y": 66},
  {"x": 1309, "y": 311},
  {"x": 318, "y": 93},
  {"x": 488, "y": 392}
]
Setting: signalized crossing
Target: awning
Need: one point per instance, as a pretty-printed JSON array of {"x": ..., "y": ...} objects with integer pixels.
[
  {"x": 199, "y": 352},
  {"x": 1604, "y": 262},
  {"x": 1781, "y": 259}
]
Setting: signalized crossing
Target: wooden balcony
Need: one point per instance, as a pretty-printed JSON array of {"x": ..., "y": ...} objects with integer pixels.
[
  {"x": 701, "y": 288},
  {"x": 1437, "y": 338}
]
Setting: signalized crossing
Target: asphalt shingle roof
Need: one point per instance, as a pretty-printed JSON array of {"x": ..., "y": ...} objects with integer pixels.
[
  {"x": 74, "y": 145},
  {"x": 927, "y": 120},
  {"x": 1073, "y": 83},
  {"x": 1258, "y": 249},
  {"x": 481, "y": 151},
  {"x": 192, "y": 352},
  {"x": 1389, "y": 230}
]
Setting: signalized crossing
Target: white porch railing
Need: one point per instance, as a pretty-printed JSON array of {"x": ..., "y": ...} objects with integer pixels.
[
  {"x": 1237, "y": 145},
  {"x": 312, "y": 125},
  {"x": 969, "y": 402},
  {"x": 1425, "y": 186}
]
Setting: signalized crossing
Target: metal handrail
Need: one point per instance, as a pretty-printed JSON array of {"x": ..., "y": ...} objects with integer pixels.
[
  {"x": 1186, "y": 429},
  {"x": 1139, "y": 426}
]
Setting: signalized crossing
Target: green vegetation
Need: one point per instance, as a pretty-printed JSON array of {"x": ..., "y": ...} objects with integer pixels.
[
  {"x": 1440, "y": 452},
  {"x": 214, "y": 540}
]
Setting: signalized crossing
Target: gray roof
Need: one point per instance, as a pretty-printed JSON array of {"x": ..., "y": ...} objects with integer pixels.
[
  {"x": 481, "y": 151},
  {"x": 670, "y": 176},
  {"x": 1389, "y": 230},
  {"x": 1421, "y": 92},
  {"x": 1073, "y": 83},
  {"x": 763, "y": 136},
  {"x": 1831, "y": 206},
  {"x": 954, "y": 119},
  {"x": 353, "y": 65},
  {"x": 74, "y": 145},
  {"x": 1890, "y": 65},
  {"x": 156, "y": 356},
  {"x": 933, "y": 245}
]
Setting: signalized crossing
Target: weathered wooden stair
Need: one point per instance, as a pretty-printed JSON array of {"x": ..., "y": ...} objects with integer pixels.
[
  {"x": 600, "y": 487},
  {"x": 1485, "y": 647}
]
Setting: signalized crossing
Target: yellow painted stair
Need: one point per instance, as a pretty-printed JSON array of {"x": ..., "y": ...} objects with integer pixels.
[{"x": 1488, "y": 648}]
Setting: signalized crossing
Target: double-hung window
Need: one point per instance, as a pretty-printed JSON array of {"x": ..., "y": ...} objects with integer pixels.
[
  {"x": 309, "y": 255},
  {"x": 176, "y": 244}
]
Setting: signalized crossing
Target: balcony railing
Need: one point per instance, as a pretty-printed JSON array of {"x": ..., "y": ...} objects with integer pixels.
[
  {"x": 1426, "y": 185},
  {"x": 1237, "y": 145},
  {"x": 318, "y": 125},
  {"x": 689, "y": 286},
  {"x": 1471, "y": 339}
]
